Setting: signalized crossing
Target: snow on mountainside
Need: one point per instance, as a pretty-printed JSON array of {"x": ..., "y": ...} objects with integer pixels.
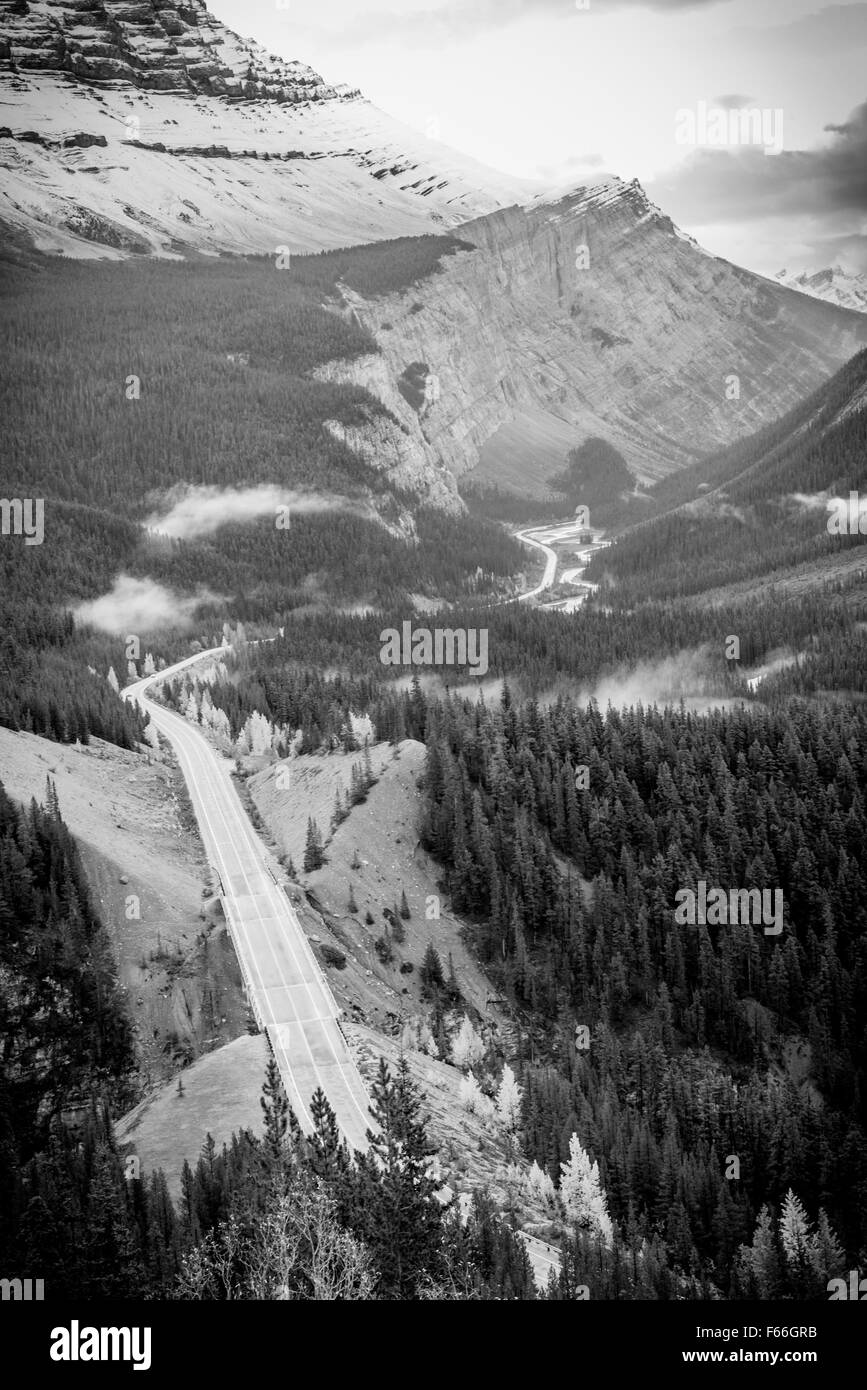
[
  {"x": 131, "y": 127},
  {"x": 144, "y": 128},
  {"x": 836, "y": 285}
]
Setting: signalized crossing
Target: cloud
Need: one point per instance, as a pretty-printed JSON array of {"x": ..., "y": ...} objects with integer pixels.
[
  {"x": 733, "y": 101},
  {"x": 569, "y": 167},
  {"x": 462, "y": 19},
  {"x": 743, "y": 184},
  {"x": 688, "y": 676},
  {"x": 832, "y": 29},
  {"x": 139, "y": 606},
  {"x": 811, "y": 501},
  {"x": 188, "y": 513}
]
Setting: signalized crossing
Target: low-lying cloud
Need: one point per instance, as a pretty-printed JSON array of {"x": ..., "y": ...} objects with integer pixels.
[
  {"x": 688, "y": 676},
  {"x": 193, "y": 512},
  {"x": 140, "y": 606},
  {"x": 812, "y": 501}
]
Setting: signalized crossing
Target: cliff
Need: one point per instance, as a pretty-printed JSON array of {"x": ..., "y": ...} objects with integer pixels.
[{"x": 594, "y": 315}]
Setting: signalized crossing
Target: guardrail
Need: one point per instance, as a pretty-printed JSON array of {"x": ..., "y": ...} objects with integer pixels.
[{"x": 239, "y": 955}]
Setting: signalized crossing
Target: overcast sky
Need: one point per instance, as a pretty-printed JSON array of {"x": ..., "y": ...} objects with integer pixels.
[{"x": 554, "y": 92}]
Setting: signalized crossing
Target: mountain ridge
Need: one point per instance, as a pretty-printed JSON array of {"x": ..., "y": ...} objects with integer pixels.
[
  {"x": 182, "y": 137},
  {"x": 595, "y": 315},
  {"x": 834, "y": 284}
]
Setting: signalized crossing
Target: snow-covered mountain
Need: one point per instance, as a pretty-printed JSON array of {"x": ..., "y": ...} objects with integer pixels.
[
  {"x": 143, "y": 127},
  {"x": 836, "y": 285}
]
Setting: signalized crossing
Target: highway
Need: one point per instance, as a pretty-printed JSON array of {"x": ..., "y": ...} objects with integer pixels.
[
  {"x": 561, "y": 532},
  {"x": 287, "y": 990},
  {"x": 544, "y": 1258},
  {"x": 550, "y": 566}
]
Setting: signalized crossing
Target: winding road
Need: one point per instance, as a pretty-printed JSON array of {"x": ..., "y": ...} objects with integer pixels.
[
  {"x": 550, "y": 565},
  {"x": 286, "y": 988},
  {"x": 556, "y": 533}
]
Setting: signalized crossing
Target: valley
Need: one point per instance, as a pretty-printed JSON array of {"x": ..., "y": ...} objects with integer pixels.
[{"x": 425, "y": 590}]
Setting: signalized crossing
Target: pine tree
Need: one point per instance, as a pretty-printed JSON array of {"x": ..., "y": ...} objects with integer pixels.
[
  {"x": 470, "y": 1093},
  {"x": 582, "y": 1195},
  {"x": 393, "y": 1205},
  {"x": 468, "y": 1050},
  {"x": 431, "y": 974},
  {"x": 509, "y": 1098},
  {"x": 329, "y": 1156},
  {"x": 795, "y": 1235},
  {"x": 314, "y": 857},
  {"x": 540, "y": 1186},
  {"x": 275, "y": 1111},
  {"x": 828, "y": 1256}
]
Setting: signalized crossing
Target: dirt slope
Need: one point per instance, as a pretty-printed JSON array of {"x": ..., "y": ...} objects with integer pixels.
[
  {"x": 138, "y": 841},
  {"x": 382, "y": 832}
]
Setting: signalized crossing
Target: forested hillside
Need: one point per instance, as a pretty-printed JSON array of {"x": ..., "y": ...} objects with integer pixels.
[
  {"x": 689, "y": 1024},
  {"x": 564, "y": 834},
  {"x": 536, "y": 653},
  {"x": 364, "y": 1225},
  {"x": 753, "y": 510},
  {"x": 64, "y": 1027},
  {"x": 124, "y": 385}
]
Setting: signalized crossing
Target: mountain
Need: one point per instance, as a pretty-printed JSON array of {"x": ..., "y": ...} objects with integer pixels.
[
  {"x": 836, "y": 285},
  {"x": 131, "y": 129},
  {"x": 146, "y": 128},
  {"x": 591, "y": 316},
  {"x": 759, "y": 512}
]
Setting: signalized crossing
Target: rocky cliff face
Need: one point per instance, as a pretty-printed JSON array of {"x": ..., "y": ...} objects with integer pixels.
[
  {"x": 398, "y": 450},
  {"x": 150, "y": 45},
  {"x": 595, "y": 316}
]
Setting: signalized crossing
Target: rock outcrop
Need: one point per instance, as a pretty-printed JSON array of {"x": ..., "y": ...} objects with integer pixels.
[
  {"x": 149, "y": 45},
  {"x": 395, "y": 447}
]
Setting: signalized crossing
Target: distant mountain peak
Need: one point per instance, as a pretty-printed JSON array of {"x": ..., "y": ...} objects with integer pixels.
[{"x": 845, "y": 288}]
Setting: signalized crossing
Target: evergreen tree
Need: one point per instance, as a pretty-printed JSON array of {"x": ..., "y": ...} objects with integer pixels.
[
  {"x": 582, "y": 1195},
  {"x": 314, "y": 857},
  {"x": 431, "y": 974},
  {"x": 394, "y": 1206}
]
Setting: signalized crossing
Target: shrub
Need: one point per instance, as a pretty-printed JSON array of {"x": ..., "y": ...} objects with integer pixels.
[
  {"x": 332, "y": 956},
  {"x": 383, "y": 950}
]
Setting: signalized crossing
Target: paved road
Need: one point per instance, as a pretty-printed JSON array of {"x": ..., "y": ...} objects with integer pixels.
[
  {"x": 538, "y": 538},
  {"x": 544, "y": 1258},
  {"x": 286, "y": 988},
  {"x": 550, "y": 566}
]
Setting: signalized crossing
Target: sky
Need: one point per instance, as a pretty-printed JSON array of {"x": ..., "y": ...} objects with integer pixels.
[{"x": 565, "y": 91}]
